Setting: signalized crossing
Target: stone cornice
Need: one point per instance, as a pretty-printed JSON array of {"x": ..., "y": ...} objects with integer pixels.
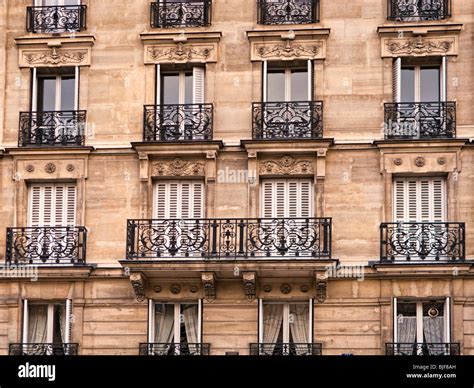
[
  {"x": 283, "y": 146},
  {"x": 175, "y": 37},
  {"x": 177, "y": 148},
  {"x": 48, "y": 151},
  {"x": 413, "y": 29},
  {"x": 282, "y": 33}
]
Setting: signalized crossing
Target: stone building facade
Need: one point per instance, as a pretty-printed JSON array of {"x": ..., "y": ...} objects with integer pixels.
[{"x": 261, "y": 177}]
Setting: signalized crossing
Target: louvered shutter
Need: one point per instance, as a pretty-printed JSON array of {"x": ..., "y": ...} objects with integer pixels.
[
  {"x": 158, "y": 85},
  {"x": 198, "y": 85},
  {"x": 310, "y": 80},
  {"x": 444, "y": 78},
  {"x": 179, "y": 200},
  {"x": 286, "y": 198},
  {"x": 68, "y": 321},
  {"x": 397, "y": 79}
]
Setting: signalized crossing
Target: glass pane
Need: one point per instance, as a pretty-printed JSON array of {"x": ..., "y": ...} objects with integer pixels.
[
  {"x": 59, "y": 327},
  {"x": 164, "y": 323},
  {"x": 170, "y": 89},
  {"x": 299, "y": 324},
  {"x": 188, "y": 92},
  {"x": 189, "y": 322},
  {"x": 408, "y": 84},
  {"x": 37, "y": 324},
  {"x": 406, "y": 323},
  {"x": 272, "y": 323},
  {"x": 276, "y": 85},
  {"x": 71, "y": 2},
  {"x": 433, "y": 323},
  {"x": 46, "y": 94},
  {"x": 299, "y": 85},
  {"x": 430, "y": 84},
  {"x": 67, "y": 93}
]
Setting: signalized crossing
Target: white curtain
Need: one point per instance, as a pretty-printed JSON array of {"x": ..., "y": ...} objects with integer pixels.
[
  {"x": 299, "y": 320},
  {"x": 406, "y": 334},
  {"x": 37, "y": 324},
  {"x": 62, "y": 323},
  {"x": 272, "y": 322},
  {"x": 433, "y": 329},
  {"x": 191, "y": 324},
  {"x": 164, "y": 326}
]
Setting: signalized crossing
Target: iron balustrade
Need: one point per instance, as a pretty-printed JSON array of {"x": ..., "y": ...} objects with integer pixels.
[
  {"x": 49, "y": 245},
  {"x": 288, "y": 11},
  {"x": 285, "y": 349},
  {"x": 56, "y": 18},
  {"x": 43, "y": 349},
  {"x": 418, "y": 10},
  {"x": 296, "y": 238},
  {"x": 52, "y": 128},
  {"x": 178, "y": 122},
  {"x": 422, "y": 349},
  {"x": 420, "y": 120},
  {"x": 288, "y": 120},
  {"x": 422, "y": 241},
  {"x": 172, "y": 349},
  {"x": 192, "y": 13}
]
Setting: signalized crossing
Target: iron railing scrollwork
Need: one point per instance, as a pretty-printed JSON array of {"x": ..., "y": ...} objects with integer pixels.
[
  {"x": 56, "y": 18},
  {"x": 288, "y": 11},
  {"x": 288, "y": 120},
  {"x": 422, "y": 241},
  {"x": 418, "y": 10},
  {"x": 46, "y": 245},
  {"x": 52, "y": 128},
  {"x": 178, "y": 122},
  {"x": 43, "y": 349},
  {"x": 173, "y": 349},
  {"x": 191, "y": 13},
  {"x": 304, "y": 238},
  {"x": 285, "y": 349},
  {"x": 422, "y": 349},
  {"x": 420, "y": 120}
]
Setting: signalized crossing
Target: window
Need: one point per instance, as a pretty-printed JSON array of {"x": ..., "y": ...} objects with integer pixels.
[
  {"x": 422, "y": 327},
  {"x": 285, "y": 327},
  {"x": 55, "y": 92},
  {"x": 47, "y": 323},
  {"x": 52, "y": 205},
  {"x": 49, "y": 3},
  {"x": 180, "y": 87},
  {"x": 286, "y": 198},
  {"x": 174, "y": 327},
  {"x": 287, "y": 84},
  {"x": 179, "y": 200}
]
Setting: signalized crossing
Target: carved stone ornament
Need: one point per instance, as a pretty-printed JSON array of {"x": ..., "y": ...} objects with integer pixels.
[
  {"x": 321, "y": 288},
  {"x": 70, "y": 167},
  {"x": 250, "y": 285},
  {"x": 175, "y": 289},
  {"x": 55, "y": 56},
  {"x": 157, "y": 289},
  {"x": 209, "y": 283},
  {"x": 180, "y": 52},
  {"x": 285, "y": 288},
  {"x": 287, "y": 165},
  {"x": 50, "y": 168},
  {"x": 267, "y": 288},
  {"x": 30, "y": 168},
  {"x": 419, "y": 46},
  {"x": 288, "y": 50},
  {"x": 442, "y": 161},
  {"x": 193, "y": 289},
  {"x": 420, "y": 162},
  {"x": 178, "y": 167},
  {"x": 304, "y": 288},
  {"x": 138, "y": 282},
  {"x": 398, "y": 161}
]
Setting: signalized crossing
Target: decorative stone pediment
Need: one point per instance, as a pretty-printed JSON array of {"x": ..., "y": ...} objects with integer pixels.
[
  {"x": 288, "y": 50},
  {"x": 419, "y": 46},
  {"x": 287, "y": 165},
  {"x": 178, "y": 167}
]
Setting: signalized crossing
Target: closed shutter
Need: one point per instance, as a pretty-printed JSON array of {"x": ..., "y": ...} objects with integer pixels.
[
  {"x": 68, "y": 325},
  {"x": 310, "y": 80},
  {"x": 419, "y": 200},
  {"x": 198, "y": 85},
  {"x": 444, "y": 77},
  {"x": 286, "y": 198},
  {"x": 179, "y": 200},
  {"x": 397, "y": 79},
  {"x": 52, "y": 205}
]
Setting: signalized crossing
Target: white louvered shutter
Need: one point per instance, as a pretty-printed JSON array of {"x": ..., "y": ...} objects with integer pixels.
[
  {"x": 198, "y": 85},
  {"x": 444, "y": 79},
  {"x": 286, "y": 198},
  {"x": 419, "y": 200},
  {"x": 52, "y": 205},
  {"x": 179, "y": 200},
  {"x": 397, "y": 79}
]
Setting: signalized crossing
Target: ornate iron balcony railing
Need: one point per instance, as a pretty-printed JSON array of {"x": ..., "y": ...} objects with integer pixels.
[
  {"x": 51, "y": 19},
  {"x": 46, "y": 245},
  {"x": 296, "y": 238},
  {"x": 418, "y": 10},
  {"x": 288, "y": 120},
  {"x": 172, "y": 349},
  {"x": 420, "y": 120},
  {"x": 285, "y": 349},
  {"x": 52, "y": 128},
  {"x": 45, "y": 349},
  {"x": 288, "y": 11},
  {"x": 423, "y": 349},
  {"x": 191, "y": 13},
  {"x": 422, "y": 241},
  {"x": 178, "y": 122}
]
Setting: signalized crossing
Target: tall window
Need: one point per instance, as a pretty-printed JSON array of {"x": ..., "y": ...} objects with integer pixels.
[
  {"x": 287, "y": 83},
  {"x": 180, "y": 87},
  {"x": 49, "y": 3},
  {"x": 286, "y": 198},
  {"x": 55, "y": 91},
  {"x": 179, "y": 200}
]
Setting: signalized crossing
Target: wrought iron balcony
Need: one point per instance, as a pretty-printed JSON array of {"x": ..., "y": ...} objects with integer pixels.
[
  {"x": 178, "y": 122},
  {"x": 422, "y": 241},
  {"x": 44, "y": 246},
  {"x": 289, "y": 349},
  {"x": 191, "y": 13},
  {"x": 296, "y": 238},
  {"x": 288, "y": 120},
  {"x": 420, "y": 120},
  {"x": 288, "y": 11},
  {"x": 418, "y": 10},
  {"x": 423, "y": 349},
  {"x": 56, "y": 18},
  {"x": 52, "y": 128},
  {"x": 172, "y": 349},
  {"x": 45, "y": 349}
]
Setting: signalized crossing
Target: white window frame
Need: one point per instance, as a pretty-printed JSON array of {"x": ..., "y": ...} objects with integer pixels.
[
  {"x": 41, "y": 3},
  {"x": 199, "y": 75}
]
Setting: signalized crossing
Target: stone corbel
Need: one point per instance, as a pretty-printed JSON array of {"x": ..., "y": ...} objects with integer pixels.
[
  {"x": 321, "y": 284},
  {"x": 250, "y": 285},
  {"x": 144, "y": 166},
  {"x": 321, "y": 163},
  {"x": 138, "y": 282},
  {"x": 209, "y": 283}
]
